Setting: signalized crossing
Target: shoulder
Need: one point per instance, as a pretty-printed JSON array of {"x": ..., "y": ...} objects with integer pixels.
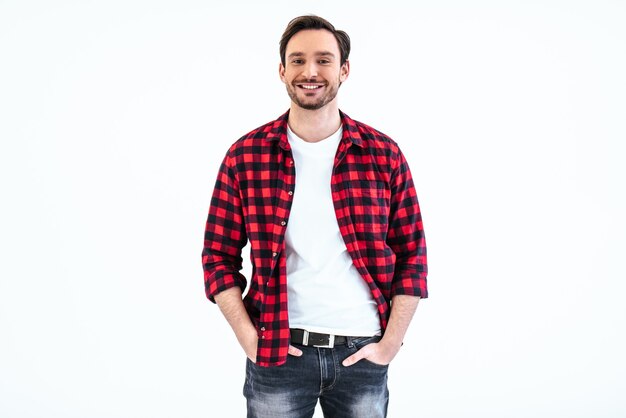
[
  {"x": 259, "y": 140},
  {"x": 256, "y": 137},
  {"x": 374, "y": 137},
  {"x": 372, "y": 140}
]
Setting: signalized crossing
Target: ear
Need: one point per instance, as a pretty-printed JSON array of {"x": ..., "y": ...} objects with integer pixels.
[
  {"x": 344, "y": 71},
  {"x": 281, "y": 72}
]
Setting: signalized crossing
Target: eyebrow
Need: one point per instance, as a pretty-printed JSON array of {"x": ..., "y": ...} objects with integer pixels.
[{"x": 319, "y": 54}]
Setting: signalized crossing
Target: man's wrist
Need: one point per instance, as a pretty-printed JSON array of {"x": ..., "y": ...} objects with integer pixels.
[{"x": 390, "y": 341}]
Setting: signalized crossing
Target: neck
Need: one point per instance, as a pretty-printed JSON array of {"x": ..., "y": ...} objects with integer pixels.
[{"x": 314, "y": 125}]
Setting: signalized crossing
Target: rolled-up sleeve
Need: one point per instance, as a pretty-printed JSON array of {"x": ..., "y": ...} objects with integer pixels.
[
  {"x": 406, "y": 234},
  {"x": 225, "y": 235}
]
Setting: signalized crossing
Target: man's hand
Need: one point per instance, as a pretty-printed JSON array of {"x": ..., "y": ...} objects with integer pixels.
[
  {"x": 293, "y": 351},
  {"x": 402, "y": 310},
  {"x": 380, "y": 353}
]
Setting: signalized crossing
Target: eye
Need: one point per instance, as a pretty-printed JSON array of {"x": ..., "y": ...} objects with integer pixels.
[
  {"x": 296, "y": 62},
  {"x": 324, "y": 62}
]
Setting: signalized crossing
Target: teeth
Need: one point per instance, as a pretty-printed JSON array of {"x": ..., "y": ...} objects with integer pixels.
[{"x": 310, "y": 87}]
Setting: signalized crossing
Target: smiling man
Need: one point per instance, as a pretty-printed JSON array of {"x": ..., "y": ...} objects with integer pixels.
[
  {"x": 337, "y": 245},
  {"x": 318, "y": 85}
]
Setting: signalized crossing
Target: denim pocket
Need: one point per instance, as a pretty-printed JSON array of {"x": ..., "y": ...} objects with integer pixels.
[{"x": 362, "y": 342}]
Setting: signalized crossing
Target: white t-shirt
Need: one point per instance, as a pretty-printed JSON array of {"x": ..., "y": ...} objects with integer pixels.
[{"x": 326, "y": 293}]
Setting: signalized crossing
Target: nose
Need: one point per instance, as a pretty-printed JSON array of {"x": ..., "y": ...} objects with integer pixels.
[{"x": 310, "y": 70}]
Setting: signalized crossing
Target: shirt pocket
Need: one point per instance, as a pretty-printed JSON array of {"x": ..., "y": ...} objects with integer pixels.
[{"x": 370, "y": 206}]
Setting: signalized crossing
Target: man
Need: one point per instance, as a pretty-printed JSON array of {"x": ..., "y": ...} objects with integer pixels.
[{"x": 337, "y": 245}]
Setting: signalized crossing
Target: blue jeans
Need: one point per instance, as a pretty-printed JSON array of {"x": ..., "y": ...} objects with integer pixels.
[{"x": 292, "y": 390}]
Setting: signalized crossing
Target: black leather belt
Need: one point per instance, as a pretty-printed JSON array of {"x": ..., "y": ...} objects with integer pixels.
[{"x": 315, "y": 339}]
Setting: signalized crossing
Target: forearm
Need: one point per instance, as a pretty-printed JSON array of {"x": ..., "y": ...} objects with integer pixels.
[
  {"x": 402, "y": 310},
  {"x": 224, "y": 235},
  {"x": 233, "y": 309}
]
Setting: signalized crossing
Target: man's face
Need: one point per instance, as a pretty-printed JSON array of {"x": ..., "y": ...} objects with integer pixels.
[{"x": 312, "y": 71}]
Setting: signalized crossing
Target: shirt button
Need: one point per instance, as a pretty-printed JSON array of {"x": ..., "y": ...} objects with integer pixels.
[
  {"x": 262, "y": 328},
  {"x": 290, "y": 193},
  {"x": 274, "y": 254},
  {"x": 262, "y": 337},
  {"x": 283, "y": 223}
]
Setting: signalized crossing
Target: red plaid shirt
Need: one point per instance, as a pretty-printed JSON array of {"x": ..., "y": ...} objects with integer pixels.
[{"x": 377, "y": 212}]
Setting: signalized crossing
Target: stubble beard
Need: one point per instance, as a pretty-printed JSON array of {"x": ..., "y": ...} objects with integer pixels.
[{"x": 320, "y": 103}]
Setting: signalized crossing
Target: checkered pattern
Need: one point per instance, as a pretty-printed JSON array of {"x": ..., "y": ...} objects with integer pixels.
[{"x": 377, "y": 212}]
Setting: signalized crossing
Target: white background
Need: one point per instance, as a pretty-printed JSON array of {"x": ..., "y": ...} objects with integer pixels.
[{"x": 114, "y": 116}]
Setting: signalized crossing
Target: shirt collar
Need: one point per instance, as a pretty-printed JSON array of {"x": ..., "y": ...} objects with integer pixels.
[{"x": 278, "y": 131}]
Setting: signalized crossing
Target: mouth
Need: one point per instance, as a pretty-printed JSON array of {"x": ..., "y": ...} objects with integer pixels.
[{"x": 309, "y": 86}]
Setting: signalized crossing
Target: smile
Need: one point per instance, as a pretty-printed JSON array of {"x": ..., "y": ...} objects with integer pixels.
[{"x": 309, "y": 86}]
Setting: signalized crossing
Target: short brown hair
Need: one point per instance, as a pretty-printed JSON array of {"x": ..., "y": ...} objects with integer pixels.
[{"x": 314, "y": 22}]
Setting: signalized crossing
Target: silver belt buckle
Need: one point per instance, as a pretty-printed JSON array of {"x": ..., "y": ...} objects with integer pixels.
[{"x": 331, "y": 341}]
